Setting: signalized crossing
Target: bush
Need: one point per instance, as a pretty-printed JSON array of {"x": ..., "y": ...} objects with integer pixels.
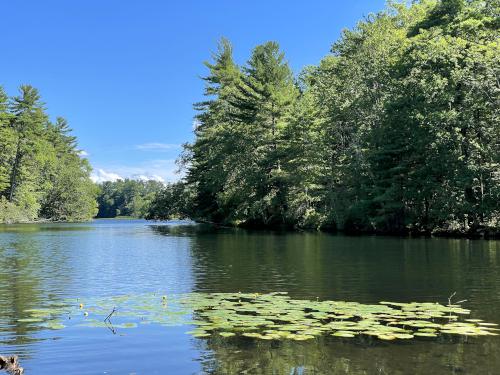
[{"x": 11, "y": 213}]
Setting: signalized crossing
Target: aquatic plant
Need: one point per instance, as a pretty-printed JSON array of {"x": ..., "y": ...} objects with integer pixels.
[
  {"x": 272, "y": 316},
  {"x": 277, "y": 316}
]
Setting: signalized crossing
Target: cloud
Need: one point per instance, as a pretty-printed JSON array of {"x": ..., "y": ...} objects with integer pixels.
[
  {"x": 101, "y": 175},
  {"x": 153, "y": 177},
  {"x": 157, "y": 146},
  {"x": 162, "y": 170},
  {"x": 83, "y": 153}
]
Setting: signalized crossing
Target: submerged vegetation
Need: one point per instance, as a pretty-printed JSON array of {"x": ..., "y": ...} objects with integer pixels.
[
  {"x": 397, "y": 130},
  {"x": 42, "y": 173},
  {"x": 272, "y": 316}
]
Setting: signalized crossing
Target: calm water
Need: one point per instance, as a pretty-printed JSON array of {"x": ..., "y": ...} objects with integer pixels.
[{"x": 41, "y": 263}]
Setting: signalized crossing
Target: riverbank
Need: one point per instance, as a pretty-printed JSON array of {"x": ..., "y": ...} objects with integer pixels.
[
  {"x": 487, "y": 233},
  {"x": 480, "y": 233}
]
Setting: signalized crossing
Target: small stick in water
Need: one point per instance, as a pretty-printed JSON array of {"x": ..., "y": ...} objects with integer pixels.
[{"x": 109, "y": 316}]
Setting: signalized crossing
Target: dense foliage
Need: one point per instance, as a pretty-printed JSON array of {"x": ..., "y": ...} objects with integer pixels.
[
  {"x": 173, "y": 201},
  {"x": 42, "y": 174},
  {"x": 127, "y": 197},
  {"x": 396, "y": 130}
]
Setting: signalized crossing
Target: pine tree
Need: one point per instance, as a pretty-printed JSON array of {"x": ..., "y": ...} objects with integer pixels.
[
  {"x": 266, "y": 94},
  {"x": 216, "y": 138}
]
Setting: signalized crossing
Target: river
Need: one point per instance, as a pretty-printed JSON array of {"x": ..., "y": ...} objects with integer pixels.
[{"x": 50, "y": 263}]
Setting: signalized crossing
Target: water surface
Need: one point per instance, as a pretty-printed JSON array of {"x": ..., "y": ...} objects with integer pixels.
[{"x": 44, "y": 263}]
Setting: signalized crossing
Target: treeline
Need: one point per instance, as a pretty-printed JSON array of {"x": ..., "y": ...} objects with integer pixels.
[
  {"x": 127, "y": 197},
  {"x": 397, "y": 130},
  {"x": 42, "y": 175},
  {"x": 149, "y": 199}
]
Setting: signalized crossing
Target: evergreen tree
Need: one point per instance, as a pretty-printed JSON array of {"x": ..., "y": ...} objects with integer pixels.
[
  {"x": 266, "y": 95},
  {"x": 396, "y": 130},
  {"x": 127, "y": 197},
  {"x": 41, "y": 172}
]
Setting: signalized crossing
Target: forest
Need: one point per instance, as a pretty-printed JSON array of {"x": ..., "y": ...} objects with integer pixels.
[
  {"x": 396, "y": 130},
  {"x": 127, "y": 197},
  {"x": 152, "y": 200},
  {"x": 43, "y": 175}
]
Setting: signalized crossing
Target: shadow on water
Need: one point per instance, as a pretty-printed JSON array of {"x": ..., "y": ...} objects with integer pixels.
[
  {"x": 330, "y": 355},
  {"x": 189, "y": 229},
  {"x": 363, "y": 269}
]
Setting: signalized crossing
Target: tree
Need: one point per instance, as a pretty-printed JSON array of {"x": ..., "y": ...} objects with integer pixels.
[
  {"x": 443, "y": 123},
  {"x": 27, "y": 122},
  {"x": 267, "y": 92},
  {"x": 396, "y": 130},
  {"x": 41, "y": 172},
  {"x": 127, "y": 197},
  {"x": 7, "y": 142}
]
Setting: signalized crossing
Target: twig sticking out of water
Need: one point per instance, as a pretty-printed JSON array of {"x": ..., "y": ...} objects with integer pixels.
[
  {"x": 456, "y": 303},
  {"x": 108, "y": 321},
  {"x": 110, "y": 314},
  {"x": 11, "y": 365},
  {"x": 450, "y": 297}
]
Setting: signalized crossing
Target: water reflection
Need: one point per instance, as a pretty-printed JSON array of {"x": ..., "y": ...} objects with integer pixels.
[
  {"x": 335, "y": 356},
  {"x": 43, "y": 264},
  {"x": 364, "y": 269},
  {"x": 40, "y": 227},
  {"x": 24, "y": 284}
]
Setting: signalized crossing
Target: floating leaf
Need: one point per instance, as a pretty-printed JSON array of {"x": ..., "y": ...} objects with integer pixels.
[
  {"x": 30, "y": 320},
  {"x": 343, "y": 334},
  {"x": 271, "y": 316}
]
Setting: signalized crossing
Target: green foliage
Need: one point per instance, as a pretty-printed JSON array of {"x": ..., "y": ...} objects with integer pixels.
[
  {"x": 396, "y": 130},
  {"x": 171, "y": 202},
  {"x": 127, "y": 197},
  {"x": 436, "y": 152},
  {"x": 12, "y": 213},
  {"x": 270, "y": 316},
  {"x": 42, "y": 175}
]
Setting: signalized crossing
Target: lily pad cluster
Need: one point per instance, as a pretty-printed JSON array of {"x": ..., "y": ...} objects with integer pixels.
[
  {"x": 272, "y": 316},
  {"x": 116, "y": 312},
  {"x": 276, "y": 316}
]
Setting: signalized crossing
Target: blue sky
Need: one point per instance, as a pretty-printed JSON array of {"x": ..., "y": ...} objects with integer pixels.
[{"x": 125, "y": 73}]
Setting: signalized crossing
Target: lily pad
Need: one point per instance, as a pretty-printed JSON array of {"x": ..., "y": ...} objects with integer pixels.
[{"x": 271, "y": 316}]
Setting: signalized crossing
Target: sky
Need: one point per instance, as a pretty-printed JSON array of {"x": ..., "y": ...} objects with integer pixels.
[{"x": 125, "y": 73}]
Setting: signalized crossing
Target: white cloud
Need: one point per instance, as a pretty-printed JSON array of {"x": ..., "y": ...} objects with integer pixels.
[
  {"x": 157, "y": 146},
  {"x": 162, "y": 170},
  {"x": 195, "y": 124},
  {"x": 83, "y": 153},
  {"x": 143, "y": 177},
  {"x": 101, "y": 175}
]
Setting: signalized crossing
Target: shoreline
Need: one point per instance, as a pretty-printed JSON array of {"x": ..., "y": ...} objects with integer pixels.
[
  {"x": 483, "y": 234},
  {"x": 487, "y": 233}
]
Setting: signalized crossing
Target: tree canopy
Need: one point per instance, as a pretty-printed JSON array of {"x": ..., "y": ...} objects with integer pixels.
[
  {"x": 127, "y": 197},
  {"x": 396, "y": 130},
  {"x": 42, "y": 173}
]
